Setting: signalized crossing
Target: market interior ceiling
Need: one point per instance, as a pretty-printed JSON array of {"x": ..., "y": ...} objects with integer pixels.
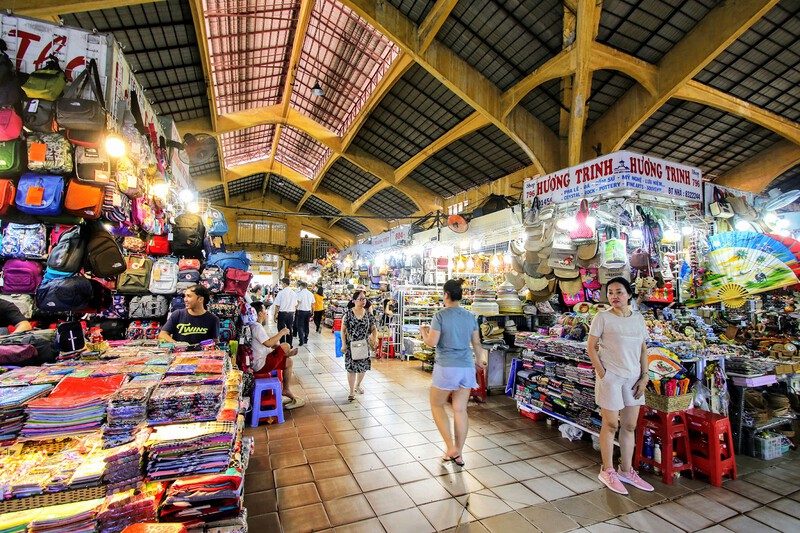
[{"x": 424, "y": 99}]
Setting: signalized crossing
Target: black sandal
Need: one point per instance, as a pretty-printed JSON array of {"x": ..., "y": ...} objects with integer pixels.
[
  {"x": 458, "y": 460},
  {"x": 351, "y": 398}
]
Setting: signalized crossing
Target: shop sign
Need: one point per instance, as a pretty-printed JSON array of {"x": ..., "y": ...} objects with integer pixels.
[
  {"x": 401, "y": 235},
  {"x": 382, "y": 240},
  {"x": 612, "y": 172}
]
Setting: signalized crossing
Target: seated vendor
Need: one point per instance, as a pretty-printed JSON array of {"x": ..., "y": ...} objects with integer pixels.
[
  {"x": 10, "y": 316},
  {"x": 279, "y": 358},
  {"x": 193, "y": 324}
]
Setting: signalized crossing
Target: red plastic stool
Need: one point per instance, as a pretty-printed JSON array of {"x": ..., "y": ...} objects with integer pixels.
[
  {"x": 673, "y": 431},
  {"x": 712, "y": 445},
  {"x": 386, "y": 348},
  {"x": 480, "y": 393}
]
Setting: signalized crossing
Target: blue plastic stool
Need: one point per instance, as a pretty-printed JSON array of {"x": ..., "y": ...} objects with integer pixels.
[
  {"x": 263, "y": 385},
  {"x": 337, "y": 335}
]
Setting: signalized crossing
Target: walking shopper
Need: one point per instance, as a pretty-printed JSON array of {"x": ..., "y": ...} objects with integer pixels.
[
  {"x": 452, "y": 331},
  {"x": 278, "y": 358},
  {"x": 285, "y": 304},
  {"x": 302, "y": 317},
  {"x": 319, "y": 306},
  {"x": 358, "y": 335},
  {"x": 618, "y": 350}
]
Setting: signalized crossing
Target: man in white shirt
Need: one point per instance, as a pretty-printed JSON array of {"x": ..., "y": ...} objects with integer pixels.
[
  {"x": 269, "y": 354},
  {"x": 285, "y": 304},
  {"x": 305, "y": 302}
]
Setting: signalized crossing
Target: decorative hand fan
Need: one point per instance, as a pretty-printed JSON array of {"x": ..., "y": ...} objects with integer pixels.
[
  {"x": 743, "y": 263},
  {"x": 662, "y": 363},
  {"x": 794, "y": 246}
]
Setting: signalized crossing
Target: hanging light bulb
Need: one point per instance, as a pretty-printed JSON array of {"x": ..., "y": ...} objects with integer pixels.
[
  {"x": 507, "y": 257},
  {"x": 186, "y": 196},
  {"x": 193, "y": 207},
  {"x": 743, "y": 225},
  {"x": 115, "y": 146},
  {"x": 495, "y": 261},
  {"x": 461, "y": 264},
  {"x": 687, "y": 230},
  {"x": 671, "y": 235},
  {"x": 470, "y": 264},
  {"x": 160, "y": 190},
  {"x": 770, "y": 218},
  {"x": 567, "y": 224}
]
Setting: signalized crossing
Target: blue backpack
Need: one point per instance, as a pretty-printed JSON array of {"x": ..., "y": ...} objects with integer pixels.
[
  {"x": 45, "y": 202},
  {"x": 216, "y": 223},
  {"x": 227, "y": 330},
  {"x": 64, "y": 294},
  {"x": 230, "y": 260}
]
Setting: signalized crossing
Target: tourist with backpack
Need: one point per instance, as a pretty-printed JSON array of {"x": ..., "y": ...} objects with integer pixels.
[{"x": 193, "y": 324}]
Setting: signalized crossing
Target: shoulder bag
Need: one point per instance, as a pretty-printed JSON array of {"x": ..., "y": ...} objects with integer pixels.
[{"x": 359, "y": 350}]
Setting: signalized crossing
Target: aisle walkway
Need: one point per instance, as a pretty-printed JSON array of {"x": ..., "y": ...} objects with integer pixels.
[{"x": 374, "y": 465}]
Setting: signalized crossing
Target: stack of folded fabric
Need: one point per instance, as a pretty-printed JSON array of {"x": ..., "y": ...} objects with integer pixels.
[
  {"x": 75, "y": 406},
  {"x": 126, "y": 508},
  {"x": 127, "y": 410},
  {"x": 76, "y": 517},
  {"x": 184, "y": 403},
  {"x": 124, "y": 465},
  {"x": 12, "y": 409},
  {"x": 207, "y": 498},
  {"x": 180, "y": 450}
]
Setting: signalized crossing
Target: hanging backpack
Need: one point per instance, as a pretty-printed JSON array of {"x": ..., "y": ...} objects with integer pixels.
[
  {"x": 213, "y": 245},
  {"x": 189, "y": 276},
  {"x": 39, "y": 115},
  {"x": 49, "y": 153},
  {"x": 84, "y": 200},
  {"x": 215, "y": 223},
  {"x": 177, "y": 303},
  {"x": 158, "y": 245},
  {"x": 189, "y": 264},
  {"x": 136, "y": 278},
  {"x": 12, "y": 158},
  {"x": 148, "y": 306},
  {"x": 230, "y": 260},
  {"x": 24, "y": 241},
  {"x": 69, "y": 252},
  {"x": 227, "y": 330},
  {"x": 103, "y": 256},
  {"x": 64, "y": 294},
  {"x": 164, "y": 278},
  {"x": 237, "y": 281},
  {"x": 10, "y": 91},
  {"x": 76, "y": 113},
  {"x": 40, "y": 195},
  {"x": 116, "y": 206},
  {"x": 188, "y": 233},
  {"x": 224, "y": 305},
  {"x": 46, "y": 83},
  {"x": 118, "y": 308},
  {"x": 184, "y": 285},
  {"x": 92, "y": 165},
  {"x": 7, "y": 194},
  {"x": 21, "y": 276},
  {"x": 10, "y": 124},
  {"x": 213, "y": 279}
]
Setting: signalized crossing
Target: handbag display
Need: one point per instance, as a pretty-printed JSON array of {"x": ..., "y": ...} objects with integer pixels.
[
  {"x": 46, "y": 83},
  {"x": 85, "y": 114},
  {"x": 40, "y": 195},
  {"x": 82, "y": 200},
  {"x": 7, "y": 194},
  {"x": 12, "y": 158},
  {"x": 359, "y": 350},
  {"x": 39, "y": 115},
  {"x": 10, "y": 124},
  {"x": 49, "y": 153}
]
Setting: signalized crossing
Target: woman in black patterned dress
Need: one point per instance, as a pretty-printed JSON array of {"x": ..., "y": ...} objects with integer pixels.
[{"x": 358, "y": 324}]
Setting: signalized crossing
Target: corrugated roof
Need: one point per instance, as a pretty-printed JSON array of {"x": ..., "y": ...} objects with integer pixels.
[
  {"x": 390, "y": 203},
  {"x": 247, "y": 184},
  {"x": 348, "y": 180}
]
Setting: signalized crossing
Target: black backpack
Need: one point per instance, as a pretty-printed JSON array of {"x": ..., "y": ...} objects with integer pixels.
[
  {"x": 103, "y": 255},
  {"x": 64, "y": 294},
  {"x": 113, "y": 329},
  {"x": 70, "y": 251},
  {"x": 188, "y": 234},
  {"x": 10, "y": 89},
  {"x": 69, "y": 337}
]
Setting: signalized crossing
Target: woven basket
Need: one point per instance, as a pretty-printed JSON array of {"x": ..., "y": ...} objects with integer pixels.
[
  {"x": 55, "y": 498},
  {"x": 668, "y": 404}
]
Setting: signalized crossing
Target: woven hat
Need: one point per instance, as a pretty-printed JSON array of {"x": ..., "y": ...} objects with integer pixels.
[
  {"x": 570, "y": 286},
  {"x": 544, "y": 269},
  {"x": 530, "y": 269},
  {"x": 587, "y": 251},
  {"x": 567, "y": 273}
]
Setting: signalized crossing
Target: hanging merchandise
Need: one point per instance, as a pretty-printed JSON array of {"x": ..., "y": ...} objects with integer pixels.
[
  {"x": 189, "y": 264},
  {"x": 116, "y": 206},
  {"x": 49, "y": 153},
  {"x": 136, "y": 277},
  {"x": 230, "y": 260},
  {"x": 24, "y": 241},
  {"x": 64, "y": 294},
  {"x": 84, "y": 201},
  {"x": 7, "y": 193},
  {"x": 39, "y": 115},
  {"x": 46, "y": 83},
  {"x": 143, "y": 216},
  {"x": 69, "y": 337},
  {"x": 103, "y": 256},
  {"x": 92, "y": 165},
  {"x": 213, "y": 279},
  {"x": 216, "y": 223},
  {"x": 40, "y": 195},
  {"x": 158, "y": 245},
  {"x": 69, "y": 252},
  {"x": 10, "y": 124},
  {"x": 583, "y": 233},
  {"x": 188, "y": 234},
  {"x": 127, "y": 177},
  {"x": 720, "y": 208},
  {"x": 12, "y": 158},
  {"x": 237, "y": 281},
  {"x": 148, "y": 306},
  {"x": 21, "y": 276},
  {"x": 134, "y": 245},
  {"x": 164, "y": 278},
  {"x": 76, "y": 113}
]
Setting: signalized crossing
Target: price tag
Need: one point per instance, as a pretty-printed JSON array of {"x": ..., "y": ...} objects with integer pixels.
[
  {"x": 33, "y": 106},
  {"x": 35, "y": 196},
  {"x": 37, "y": 152},
  {"x": 157, "y": 274},
  {"x": 170, "y": 236},
  {"x": 133, "y": 183}
]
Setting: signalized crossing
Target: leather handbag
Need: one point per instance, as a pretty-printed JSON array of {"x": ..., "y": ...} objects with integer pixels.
[{"x": 77, "y": 113}]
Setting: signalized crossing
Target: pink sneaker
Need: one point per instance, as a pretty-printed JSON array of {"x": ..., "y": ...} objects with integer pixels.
[
  {"x": 632, "y": 478},
  {"x": 611, "y": 480}
]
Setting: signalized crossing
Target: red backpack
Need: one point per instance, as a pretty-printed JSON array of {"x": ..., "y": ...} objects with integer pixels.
[{"x": 236, "y": 281}]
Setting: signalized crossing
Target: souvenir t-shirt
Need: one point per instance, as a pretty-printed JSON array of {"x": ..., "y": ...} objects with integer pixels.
[
  {"x": 621, "y": 340},
  {"x": 190, "y": 328},
  {"x": 455, "y": 326}
]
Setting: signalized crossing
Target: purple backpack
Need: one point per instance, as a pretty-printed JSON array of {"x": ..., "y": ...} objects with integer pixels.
[{"x": 21, "y": 277}]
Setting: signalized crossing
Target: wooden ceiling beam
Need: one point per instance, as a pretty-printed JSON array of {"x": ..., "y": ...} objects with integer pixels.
[
  {"x": 755, "y": 174},
  {"x": 205, "y": 58},
  {"x": 51, "y": 9},
  {"x": 433, "y": 22},
  {"x": 712, "y": 35},
  {"x": 588, "y": 17}
]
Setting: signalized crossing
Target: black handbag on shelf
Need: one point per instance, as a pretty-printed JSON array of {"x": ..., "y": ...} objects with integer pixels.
[{"x": 85, "y": 114}]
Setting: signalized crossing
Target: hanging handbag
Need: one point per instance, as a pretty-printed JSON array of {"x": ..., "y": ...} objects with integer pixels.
[
  {"x": 720, "y": 208},
  {"x": 359, "y": 350},
  {"x": 10, "y": 124},
  {"x": 12, "y": 158},
  {"x": 640, "y": 259},
  {"x": 85, "y": 114},
  {"x": 39, "y": 115},
  {"x": 82, "y": 200},
  {"x": 92, "y": 165},
  {"x": 49, "y": 153},
  {"x": 584, "y": 231},
  {"x": 614, "y": 250},
  {"x": 46, "y": 83}
]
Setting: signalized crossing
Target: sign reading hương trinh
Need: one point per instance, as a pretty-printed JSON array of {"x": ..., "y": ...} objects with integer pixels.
[{"x": 618, "y": 171}]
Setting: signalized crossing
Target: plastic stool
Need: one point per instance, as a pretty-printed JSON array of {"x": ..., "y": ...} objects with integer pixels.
[
  {"x": 386, "y": 348},
  {"x": 261, "y": 411},
  {"x": 337, "y": 336},
  {"x": 669, "y": 427},
  {"x": 712, "y": 445}
]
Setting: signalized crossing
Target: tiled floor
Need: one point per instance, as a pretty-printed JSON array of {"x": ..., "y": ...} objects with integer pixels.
[{"x": 374, "y": 465}]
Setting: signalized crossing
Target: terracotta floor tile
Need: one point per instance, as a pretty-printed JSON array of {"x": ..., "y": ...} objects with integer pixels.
[
  {"x": 396, "y": 457},
  {"x": 644, "y": 520},
  {"x": 409, "y": 472},
  {"x": 343, "y": 437},
  {"x": 266, "y": 523},
  {"x": 316, "y": 441},
  {"x": 473, "y": 527},
  {"x": 491, "y": 476},
  {"x": 389, "y": 500},
  {"x": 745, "y": 524},
  {"x": 259, "y": 463},
  {"x": 373, "y": 525},
  {"x": 425, "y": 491},
  {"x": 787, "y": 505},
  {"x": 520, "y": 470},
  {"x": 773, "y": 484},
  {"x": 258, "y": 481},
  {"x": 750, "y": 491},
  {"x": 548, "y": 488},
  {"x": 328, "y": 469},
  {"x": 499, "y": 455},
  {"x": 730, "y": 499},
  {"x": 383, "y": 444},
  {"x": 582, "y": 511},
  {"x": 775, "y": 519},
  {"x": 363, "y": 463},
  {"x": 483, "y": 506},
  {"x": 411, "y": 439},
  {"x": 284, "y": 460},
  {"x": 261, "y": 502},
  {"x": 348, "y": 509},
  {"x": 447, "y": 513},
  {"x": 507, "y": 522},
  {"x": 293, "y": 475},
  {"x": 459, "y": 483},
  {"x": 547, "y": 465},
  {"x": 577, "y": 483},
  {"x": 711, "y": 509},
  {"x": 281, "y": 431},
  {"x": 399, "y": 428},
  {"x": 323, "y": 453},
  {"x": 406, "y": 521},
  {"x": 354, "y": 448},
  {"x": 374, "y": 432},
  {"x": 284, "y": 445},
  {"x": 611, "y": 502},
  {"x": 297, "y": 496},
  {"x": 362, "y": 423},
  {"x": 375, "y": 479},
  {"x": 548, "y": 519},
  {"x": 304, "y": 519},
  {"x": 425, "y": 451},
  {"x": 337, "y": 487}
]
